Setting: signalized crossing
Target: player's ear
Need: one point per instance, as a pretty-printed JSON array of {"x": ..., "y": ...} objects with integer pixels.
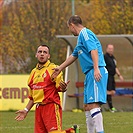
[
  {"x": 49, "y": 56},
  {"x": 36, "y": 55}
]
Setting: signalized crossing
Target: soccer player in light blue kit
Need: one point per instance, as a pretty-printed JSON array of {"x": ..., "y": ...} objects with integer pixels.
[{"x": 89, "y": 52}]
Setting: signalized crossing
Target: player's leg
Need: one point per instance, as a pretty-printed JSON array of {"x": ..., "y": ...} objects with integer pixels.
[
  {"x": 70, "y": 130},
  {"x": 56, "y": 131},
  {"x": 52, "y": 118},
  {"x": 100, "y": 96},
  {"x": 109, "y": 100},
  {"x": 109, "y": 88},
  {"x": 110, "y": 103},
  {"x": 96, "y": 116},
  {"x": 89, "y": 122},
  {"x": 97, "y": 119},
  {"x": 88, "y": 97},
  {"x": 110, "y": 92},
  {"x": 39, "y": 125},
  {"x": 96, "y": 94}
]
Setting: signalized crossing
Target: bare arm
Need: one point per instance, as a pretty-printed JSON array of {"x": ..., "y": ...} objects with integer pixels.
[
  {"x": 23, "y": 113},
  {"x": 94, "y": 55},
  {"x": 119, "y": 74},
  {"x": 66, "y": 63}
]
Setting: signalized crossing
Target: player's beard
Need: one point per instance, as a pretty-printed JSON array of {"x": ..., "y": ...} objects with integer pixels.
[{"x": 41, "y": 63}]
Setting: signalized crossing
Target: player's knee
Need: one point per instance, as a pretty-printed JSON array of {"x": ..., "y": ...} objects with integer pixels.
[{"x": 85, "y": 107}]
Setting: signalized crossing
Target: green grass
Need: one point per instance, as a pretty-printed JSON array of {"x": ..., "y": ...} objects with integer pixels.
[{"x": 121, "y": 122}]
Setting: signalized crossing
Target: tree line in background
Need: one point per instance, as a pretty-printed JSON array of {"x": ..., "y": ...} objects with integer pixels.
[{"x": 28, "y": 23}]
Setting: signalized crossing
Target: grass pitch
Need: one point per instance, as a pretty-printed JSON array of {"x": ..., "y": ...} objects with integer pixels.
[{"x": 120, "y": 122}]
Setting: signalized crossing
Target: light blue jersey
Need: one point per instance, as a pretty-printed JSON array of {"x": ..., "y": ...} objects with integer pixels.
[
  {"x": 93, "y": 91},
  {"x": 86, "y": 42}
]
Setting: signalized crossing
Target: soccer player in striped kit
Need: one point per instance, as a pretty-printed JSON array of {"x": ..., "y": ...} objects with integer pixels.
[
  {"x": 44, "y": 93},
  {"x": 89, "y": 52}
]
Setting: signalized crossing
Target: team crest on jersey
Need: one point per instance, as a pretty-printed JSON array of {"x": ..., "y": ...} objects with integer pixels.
[
  {"x": 44, "y": 75},
  {"x": 80, "y": 52}
]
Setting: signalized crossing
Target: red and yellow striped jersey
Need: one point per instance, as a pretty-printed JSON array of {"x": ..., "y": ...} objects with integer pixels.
[{"x": 43, "y": 89}]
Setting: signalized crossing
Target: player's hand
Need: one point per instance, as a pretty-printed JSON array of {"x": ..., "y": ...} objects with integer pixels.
[
  {"x": 97, "y": 75},
  {"x": 63, "y": 85},
  {"x": 21, "y": 115},
  {"x": 56, "y": 72}
]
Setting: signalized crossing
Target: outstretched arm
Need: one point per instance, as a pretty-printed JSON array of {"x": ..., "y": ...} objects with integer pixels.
[
  {"x": 23, "y": 113},
  {"x": 66, "y": 63}
]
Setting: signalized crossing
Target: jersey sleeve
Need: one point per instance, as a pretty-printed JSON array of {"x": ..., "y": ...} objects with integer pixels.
[
  {"x": 75, "y": 52},
  {"x": 30, "y": 94},
  {"x": 29, "y": 82},
  {"x": 89, "y": 41},
  {"x": 105, "y": 58},
  {"x": 115, "y": 61},
  {"x": 58, "y": 79}
]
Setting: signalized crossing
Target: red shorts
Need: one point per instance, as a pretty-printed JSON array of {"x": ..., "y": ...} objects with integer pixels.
[{"x": 48, "y": 118}]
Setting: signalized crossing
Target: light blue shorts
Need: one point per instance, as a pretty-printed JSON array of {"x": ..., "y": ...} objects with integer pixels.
[{"x": 95, "y": 91}]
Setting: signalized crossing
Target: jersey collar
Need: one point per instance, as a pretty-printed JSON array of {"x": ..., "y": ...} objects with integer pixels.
[{"x": 45, "y": 65}]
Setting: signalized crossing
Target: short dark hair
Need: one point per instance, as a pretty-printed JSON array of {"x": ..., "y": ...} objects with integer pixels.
[
  {"x": 44, "y": 45},
  {"x": 75, "y": 19}
]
